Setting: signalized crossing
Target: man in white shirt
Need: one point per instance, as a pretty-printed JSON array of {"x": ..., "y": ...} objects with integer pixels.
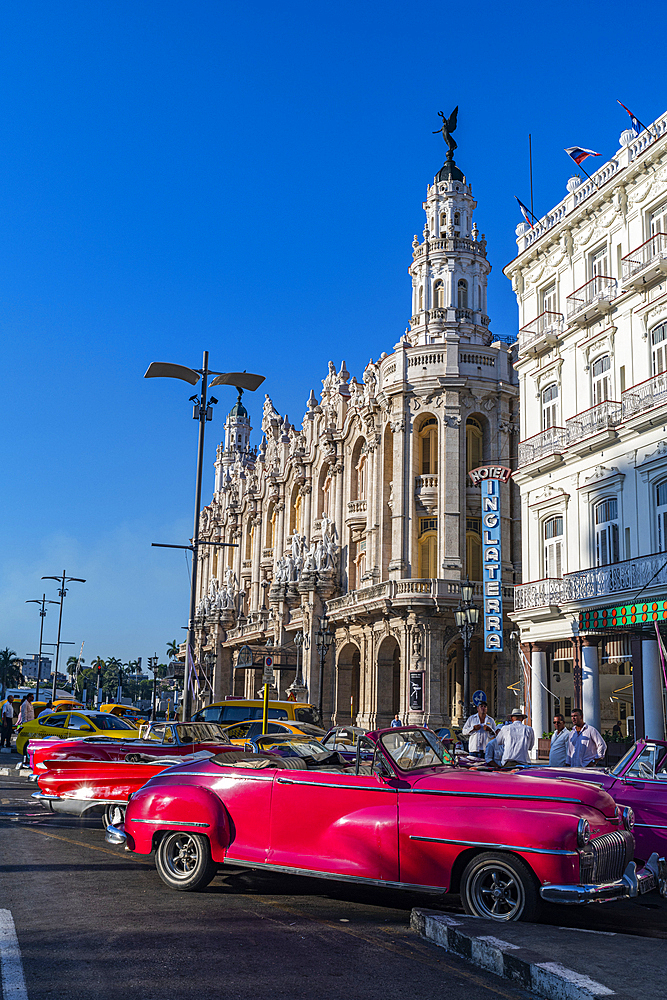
[
  {"x": 27, "y": 713},
  {"x": 516, "y": 739},
  {"x": 7, "y": 724},
  {"x": 559, "y": 743},
  {"x": 480, "y": 728},
  {"x": 585, "y": 745}
]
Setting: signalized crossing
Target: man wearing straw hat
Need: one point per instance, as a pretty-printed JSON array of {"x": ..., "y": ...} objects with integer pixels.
[{"x": 516, "y": 740}]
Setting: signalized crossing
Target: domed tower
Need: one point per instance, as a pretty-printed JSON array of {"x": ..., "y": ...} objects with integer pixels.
[
  {"x": 449, "y": 270},
  {"x": 237, "y": 433}
]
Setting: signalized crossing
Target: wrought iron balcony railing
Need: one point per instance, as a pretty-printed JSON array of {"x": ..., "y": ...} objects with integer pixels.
[
  {"x": 547, "y": 326},
  {"x": 599, "y": 291},
  {"x": 552, "y": 441},
  {"x": 599, "y": 582},
  {"x": 652, "y": 252},
  {"x": 644, "y": 395},
  {"x": 598, "y": 418},
  {"x": 539, "y": 594}
]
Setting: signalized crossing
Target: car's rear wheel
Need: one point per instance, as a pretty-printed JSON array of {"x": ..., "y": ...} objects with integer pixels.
[
  {"x": 184, "y": 862},
  {"x": 113, "y": 815},
  {"x": 499, "y": 887}
]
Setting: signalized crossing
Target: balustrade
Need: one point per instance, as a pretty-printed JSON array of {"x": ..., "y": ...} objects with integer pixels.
[
  {"x": 644, "y": 395},
  {"x": 630, "y": 576},
  {"x": 548, "y": 326},
  {"x": 598, "y": 418},
  {"x": 551, "y": 441},
  {"x": 653, "y": 251},
  {"x": 595, "y": 295}
]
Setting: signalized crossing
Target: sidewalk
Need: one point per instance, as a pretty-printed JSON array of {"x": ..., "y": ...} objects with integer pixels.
[{"x": 555, "y": 962}]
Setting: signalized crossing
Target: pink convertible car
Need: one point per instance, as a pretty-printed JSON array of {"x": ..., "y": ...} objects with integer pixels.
[{"x": 404, "y": 819}]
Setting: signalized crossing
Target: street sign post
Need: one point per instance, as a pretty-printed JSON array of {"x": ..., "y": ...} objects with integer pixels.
[{"x": 268, "y": 681}]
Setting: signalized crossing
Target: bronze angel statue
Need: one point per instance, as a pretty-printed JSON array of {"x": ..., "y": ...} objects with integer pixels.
[{"x": 448, "y": 126}]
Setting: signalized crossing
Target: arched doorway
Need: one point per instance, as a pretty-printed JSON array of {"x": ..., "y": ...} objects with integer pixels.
[
  {"x": 348, "y": 676},
  {"x": 388, "y": 681}
]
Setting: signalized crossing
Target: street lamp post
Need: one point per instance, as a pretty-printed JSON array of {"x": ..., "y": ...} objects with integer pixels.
[
  {"x": 466, "y": 617},
  {"x": 323, "y": 638},
  {"x": 42, "y": 615},
  {"x": 203, "y": 411},
  {"x": 61, "y": 593}
]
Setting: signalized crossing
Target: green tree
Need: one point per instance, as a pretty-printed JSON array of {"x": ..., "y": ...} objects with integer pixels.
[
  {"x": 10, "y": 670},
  {"x": 110, "y": 675},
  {"x": 172, "y": 649}
]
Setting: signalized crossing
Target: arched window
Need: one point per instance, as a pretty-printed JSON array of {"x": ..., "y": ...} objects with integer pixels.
[
  {"x": 659, "y": 348},
  {"x": 248, "y": 542},
  {"x": 606, "y": 531},
  {"x": 457, "y": 218},
  {"x": 553, "y": 548},
  {"x": 421, "y": 297},
  {"x": 462, "y": 294},
  {"x": 661, "y": 507},
  {"x": 439, "y": 295},
  {"x": 474, "y": 444},
  {"x": 427, "y": 551},
  {"x": 443, "y": 221},
  {"x": 361, "y": 478},
  {"x": 271, "y": 525},
  {"x": 473, "y": 548},
  {"x": 428, "y": 447},
  {"x": 550, "y": 407},
  {"x": 601, "y": 375},
  {"x": 295, "y": 512}
]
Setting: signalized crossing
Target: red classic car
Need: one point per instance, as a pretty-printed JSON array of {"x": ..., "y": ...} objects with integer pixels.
[
  {"x": 84, "y": 787},
  {"x": 638, "y": 782},
  {"x": 155, "y": 739},
  {"x": 407, "y": 819}
]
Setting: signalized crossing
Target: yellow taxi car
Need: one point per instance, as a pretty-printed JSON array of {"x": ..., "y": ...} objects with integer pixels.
[
  {"x": 127, "y": 712},
  {"x": 70, "y": 725},
  {"x": 241, "y": 732}
]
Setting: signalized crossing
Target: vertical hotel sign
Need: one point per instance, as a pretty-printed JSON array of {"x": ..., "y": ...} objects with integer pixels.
[{"x": 489, "y": 478}]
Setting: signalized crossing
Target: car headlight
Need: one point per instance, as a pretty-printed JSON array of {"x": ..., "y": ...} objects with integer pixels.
[
  {"x": 583, "y": 832},
  {"x": 628, "y": 817}
]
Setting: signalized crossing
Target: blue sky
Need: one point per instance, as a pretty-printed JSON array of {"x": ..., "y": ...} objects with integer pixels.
[{"x": 244, "y": 179}]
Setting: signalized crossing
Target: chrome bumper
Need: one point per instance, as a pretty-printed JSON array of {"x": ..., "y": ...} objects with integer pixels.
[
  {"x": 116, "y": 834},
  {"x": 633, "y": 883}
]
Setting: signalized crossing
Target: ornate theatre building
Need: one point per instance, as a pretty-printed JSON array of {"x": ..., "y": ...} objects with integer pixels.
[{"x": 365, "y": 511}]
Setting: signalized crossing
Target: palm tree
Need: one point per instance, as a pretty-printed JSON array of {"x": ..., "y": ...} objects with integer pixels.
[
  {"x": 173, "y": 649},
  {"x": 10, "y": 670}
]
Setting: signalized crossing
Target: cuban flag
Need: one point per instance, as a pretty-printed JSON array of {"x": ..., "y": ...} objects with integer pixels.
[
  {"x": 525, "y": 212},
  {"x": 637, "y": 126},
  {"x": 579, "y": 154}
]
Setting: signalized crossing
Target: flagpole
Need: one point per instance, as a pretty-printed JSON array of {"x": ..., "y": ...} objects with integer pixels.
[
  {"x": 579, "y": 167},
  {"x": 530, "y": 159}
]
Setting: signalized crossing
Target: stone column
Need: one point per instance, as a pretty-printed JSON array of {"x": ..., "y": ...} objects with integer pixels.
[
  {"x": 255, "y": 596},
  {"x": 652, "y": 690},
  {"x": 538, "y": 695},
  {"x": 223, "y": 680},
  {"x": 590, "y": 681},
  {"x": 398, "y": 565}
]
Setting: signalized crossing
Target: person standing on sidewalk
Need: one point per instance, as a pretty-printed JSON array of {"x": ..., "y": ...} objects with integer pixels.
[
  {"x": 27, "y": 713},
  {"x": 7, "y": 723},
  {"x": 516, "y": 739},
  {"x": 585, "y": 747},
  {"x": 396, "y": 722},
  {"x": 480, "y": 728},
  {"x": 559, "y": 743}
]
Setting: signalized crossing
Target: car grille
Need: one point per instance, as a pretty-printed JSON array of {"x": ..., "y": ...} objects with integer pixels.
[{"x": 605, "y": 858}]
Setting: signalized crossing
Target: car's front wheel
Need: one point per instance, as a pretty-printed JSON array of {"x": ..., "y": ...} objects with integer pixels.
[
  {"x": 499, "y": 887},
  {"x": 184, "y": 862}
]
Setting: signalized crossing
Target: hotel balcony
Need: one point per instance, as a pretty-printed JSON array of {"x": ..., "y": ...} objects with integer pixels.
[
  {"x": 405, "y": 593},
  {"x": 643, "y": 404},
  {"x": 426, "y": 492},
  {"x": 548, "y": 444},
  {"x": 646, "y": 264},
  {"x": 598, "y": 421},
  {"x": 592, "y": 300},
  {"x": 600, "y": 583},
  {"x": 541, "y": 333}
]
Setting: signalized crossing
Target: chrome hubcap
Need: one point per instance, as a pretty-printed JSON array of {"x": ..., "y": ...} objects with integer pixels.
[
  {"x": 182, "y": 856},
  {"x": 497, "y": 893}
]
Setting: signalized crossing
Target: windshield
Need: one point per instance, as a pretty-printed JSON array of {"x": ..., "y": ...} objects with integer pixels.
[
  {"x": 291, "y": 746},
  {"x": 202, "y": 732},
  {"x": 415, "y": 748},
  {"x": 105, "y": 721}
]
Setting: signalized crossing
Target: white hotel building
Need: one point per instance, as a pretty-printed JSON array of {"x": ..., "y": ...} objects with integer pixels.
[{"x": 591, "y": 283}]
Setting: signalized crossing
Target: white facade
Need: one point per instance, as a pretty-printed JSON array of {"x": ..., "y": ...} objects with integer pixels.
[
  {"x": 365, "y": 508},
  {"x": 591, "y": 283}
]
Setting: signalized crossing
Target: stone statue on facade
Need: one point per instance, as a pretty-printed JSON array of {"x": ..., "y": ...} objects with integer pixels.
[{"x": 448, "y": 126}]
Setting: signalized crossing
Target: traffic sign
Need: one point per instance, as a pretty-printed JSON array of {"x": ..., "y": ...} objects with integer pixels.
[
  {"x": 478, "y": 697},
  {"x": 268, "y": 670}
]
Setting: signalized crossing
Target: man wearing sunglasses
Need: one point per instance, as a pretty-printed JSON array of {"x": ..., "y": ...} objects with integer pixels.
[{"x": 559, "y": 742}]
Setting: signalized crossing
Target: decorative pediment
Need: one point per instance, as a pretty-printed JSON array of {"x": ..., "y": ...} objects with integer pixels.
[
  {"x": 548, "y": 374},
  {"x": 602, "y": 477}
]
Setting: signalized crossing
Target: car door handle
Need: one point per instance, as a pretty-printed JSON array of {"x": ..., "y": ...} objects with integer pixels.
[{"x": 285, "y": 781}]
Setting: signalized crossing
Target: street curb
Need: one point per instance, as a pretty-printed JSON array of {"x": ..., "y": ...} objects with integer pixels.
[{"x": 510, "y": 961}]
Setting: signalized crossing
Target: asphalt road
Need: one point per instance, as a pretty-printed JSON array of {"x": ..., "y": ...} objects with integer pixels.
[{"x": 95, "y": 921}]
